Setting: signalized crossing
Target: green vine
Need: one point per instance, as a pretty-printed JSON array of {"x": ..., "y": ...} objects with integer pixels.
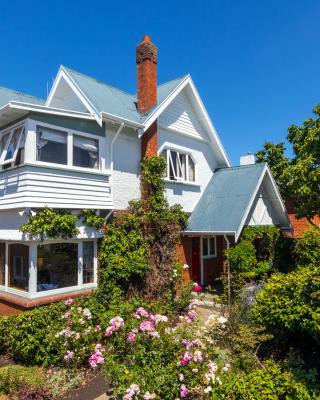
[
  {"x": 49, "y": 223},
  {"x": 91, "y": 218}
]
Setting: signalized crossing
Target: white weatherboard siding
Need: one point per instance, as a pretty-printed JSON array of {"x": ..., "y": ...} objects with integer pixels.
[
  {"x": 187, "y": 195},
  {"x": 33, "y": 186},
  {"x": 126, "y": 169},
  {"x": 180, "y": 116}
]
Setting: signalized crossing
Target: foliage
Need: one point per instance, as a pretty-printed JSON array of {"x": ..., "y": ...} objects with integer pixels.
[
  {"x": 14, "y": 377},
  {"x": 298, "y": 178},
  {"x": 49, "y": 223},
  {"x": 27, "y": 393},
  {"x": 307, "y": 248},
  {"x": 290, "y": 303},
  {"x": 252, "y": 257},
  {"x": 91, "y": 218},
  {"x": 137, "y": 253},
  {"x": 284, "y": 257},
  {"x": 273, "y": 381},
  {"x": 273, "y": 155}
]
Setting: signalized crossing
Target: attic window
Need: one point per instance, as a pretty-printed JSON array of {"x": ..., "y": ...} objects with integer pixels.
[
  {"x": 11, "y": 143},
  {"x": 180, "y": 166}
]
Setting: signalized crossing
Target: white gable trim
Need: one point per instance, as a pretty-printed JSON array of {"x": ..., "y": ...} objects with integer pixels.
[
  {"x": 214, "y": 138},
  {"x": 63, "y": 74},
  {"x": 265, "y": 171}
]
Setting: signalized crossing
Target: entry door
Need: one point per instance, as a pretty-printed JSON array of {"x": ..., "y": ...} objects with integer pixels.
[{"x": 196, "y": 265}]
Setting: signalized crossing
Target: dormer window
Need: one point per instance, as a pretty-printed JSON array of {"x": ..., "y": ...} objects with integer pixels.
[
  {"x": 11, "y": 144},
  {"x": 180, "y": 166}
]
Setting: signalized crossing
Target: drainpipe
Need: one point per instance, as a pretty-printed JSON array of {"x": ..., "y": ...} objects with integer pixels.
[
  {"x": 115, "y": 137},
  {"x": 228, "y": 272}
]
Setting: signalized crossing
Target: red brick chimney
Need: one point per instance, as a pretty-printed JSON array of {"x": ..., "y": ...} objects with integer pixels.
[{"x": 146, "y": 59}]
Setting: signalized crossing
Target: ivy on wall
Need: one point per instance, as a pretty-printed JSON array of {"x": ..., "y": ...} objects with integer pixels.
[
  {"x": 92, "y": 219},
  {"x": 49, "y": 223}
]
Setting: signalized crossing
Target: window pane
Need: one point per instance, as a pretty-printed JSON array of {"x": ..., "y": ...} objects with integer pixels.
[
  {"x": 205, "y": 246},
  {"x": 19, "y": 266},
  {"x": 173, "y": 165},
  {"x": 212, "y": 249},
  {"x": 3, "y": 141},
  {"x": 182, "y": 171},
  {"x": 85, "y": 152},
  {"x": 88, "y": 260},
  {"x": 191, "y": 169},
  {"x": 2, "y": 264},
  {"x": 57, "y": 266},
  {"x": 13, "y": 145},
  {"x": 51, "y": 146}
]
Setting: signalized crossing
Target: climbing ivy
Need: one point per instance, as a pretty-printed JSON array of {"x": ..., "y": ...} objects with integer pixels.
[
  {"x": 91, "y": 218},
  {"x": 49, "y": 223}
]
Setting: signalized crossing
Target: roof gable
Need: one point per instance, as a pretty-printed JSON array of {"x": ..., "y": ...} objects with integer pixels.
[{"x": 228, "y": 199}]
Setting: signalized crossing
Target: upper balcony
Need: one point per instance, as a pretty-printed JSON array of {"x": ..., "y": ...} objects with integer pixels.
[{"x": 45, "y": 165}]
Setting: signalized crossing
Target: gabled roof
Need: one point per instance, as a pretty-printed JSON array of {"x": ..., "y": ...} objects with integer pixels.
[
  {"x": 7, "y": 95},
  {"x": 227, "y": 200},
  {"x": 110, "y": 100}
]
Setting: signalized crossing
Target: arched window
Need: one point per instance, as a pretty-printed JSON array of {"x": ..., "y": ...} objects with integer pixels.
[{"x": 180, "y": 166}]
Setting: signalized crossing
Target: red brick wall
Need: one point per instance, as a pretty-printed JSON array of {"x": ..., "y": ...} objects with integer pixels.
[
  {"x": 214, "y": 267},
  {"x": 149, "y": 142},
  {"x": 146, "y": 59},
  {"x": 298, "y": 225},
  {"x": 184, "y": 252}
]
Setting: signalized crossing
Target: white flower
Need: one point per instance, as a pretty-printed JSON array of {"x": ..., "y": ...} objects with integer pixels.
[
  {"x": 87, "y": 313},
  {"x": 222, "y": 320},
  {"x": 186, "y": 266},
  {"x": 208, "y": 389}
]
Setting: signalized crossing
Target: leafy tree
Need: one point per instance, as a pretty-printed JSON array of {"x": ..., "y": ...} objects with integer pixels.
[{"x": 298, "y": 178}]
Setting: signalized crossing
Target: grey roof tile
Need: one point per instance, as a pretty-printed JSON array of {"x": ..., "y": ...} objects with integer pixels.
[
  {"x": 224, "y": 202},
  {"x": 7, "y": 95}
]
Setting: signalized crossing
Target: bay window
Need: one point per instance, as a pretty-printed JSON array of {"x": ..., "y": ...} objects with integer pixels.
[
  {"x": 88, "y": 262},
  {"x": 85, "y": 152},
  {"x": 180, "y": 166},
  {"x": 52, "y": 146},
  {"x": 57, "y": 266},
  {"x": 19, "y": 266},
  {"x": 12, "y": 145}
]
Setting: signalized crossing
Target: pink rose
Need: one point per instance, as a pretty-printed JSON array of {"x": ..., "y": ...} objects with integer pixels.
[
  {"x": 183, "y": 391},
  {"x": 68, "y": 302}
]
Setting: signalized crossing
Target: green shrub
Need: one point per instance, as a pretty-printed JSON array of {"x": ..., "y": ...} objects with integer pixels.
[
  {"x": 290, "y": 303},
  {"x": 14, "y": 377},
  {"x": 273, "y": 382},
  {"x": 307, "y": 247}
]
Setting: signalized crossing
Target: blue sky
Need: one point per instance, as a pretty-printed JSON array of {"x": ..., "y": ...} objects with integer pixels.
[{"x": 256, "y": 64}]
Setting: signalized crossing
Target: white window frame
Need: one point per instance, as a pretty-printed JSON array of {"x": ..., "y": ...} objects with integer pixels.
[
  {"x": 32, "y": 293},
  {"x": 209, "y": 255},
  {"x": 169, "y": 162},
  {"x": 11, "y": 131},
  {"x": 70, "y": 133}
]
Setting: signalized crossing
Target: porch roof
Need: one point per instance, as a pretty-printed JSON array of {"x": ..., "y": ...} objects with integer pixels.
[{"x": 226, "y": 202}]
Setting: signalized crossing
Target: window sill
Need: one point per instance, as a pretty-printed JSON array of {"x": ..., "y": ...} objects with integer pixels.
[
  {"x": 26, "y": 302},
  {"x": 60, "y": 167},
  {"x": 183, "y": 182}
]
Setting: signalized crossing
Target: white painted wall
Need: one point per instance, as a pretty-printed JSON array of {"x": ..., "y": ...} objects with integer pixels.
[
  {"x": 66, "y": 98},
  {"x": 126, "y": 169},
  {"x": 187, "y": 195}
]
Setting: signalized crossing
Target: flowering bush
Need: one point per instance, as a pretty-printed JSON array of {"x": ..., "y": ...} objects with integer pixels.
[{"x": 148, "y": 359}]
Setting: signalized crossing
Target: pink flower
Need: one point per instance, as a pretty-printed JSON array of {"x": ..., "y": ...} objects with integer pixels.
[
  {"x": 132, "y": 335},
  {"x": 97, "y": 328},
  {"x": 117, "y": 322},
  {"x": 197, "y": 357},
  {"x": 186, "y": 358},
  {"x": 191, "y": 316},
  {"x": 146, "y": 326},
  {"x": 109, "y": 331},
  {"x": 181, "y": 377},
  {"x": 68, "y": 302},
  {"x": 160, "y": 318},
  {"x": 141, "y": 312},
  {"x": 95, "y": 359},
  {"x": 197, "y": 288},
  {"x": 184, "y": 391},
  {"x": 68, "y": 356},
  {"x": 149, "y": 396},
  {"x": 66, "y": 315}
]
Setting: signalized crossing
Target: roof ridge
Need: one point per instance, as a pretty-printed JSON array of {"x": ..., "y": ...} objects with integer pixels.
[
  {"x": 241, "y": 166},
  {"x": 20, "y": 93},
  {"x": 172, "y": 80},
  {"x": 98, "y": 81}
]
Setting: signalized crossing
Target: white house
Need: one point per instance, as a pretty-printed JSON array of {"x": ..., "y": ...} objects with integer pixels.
[{"x": 81, "y": 149}]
